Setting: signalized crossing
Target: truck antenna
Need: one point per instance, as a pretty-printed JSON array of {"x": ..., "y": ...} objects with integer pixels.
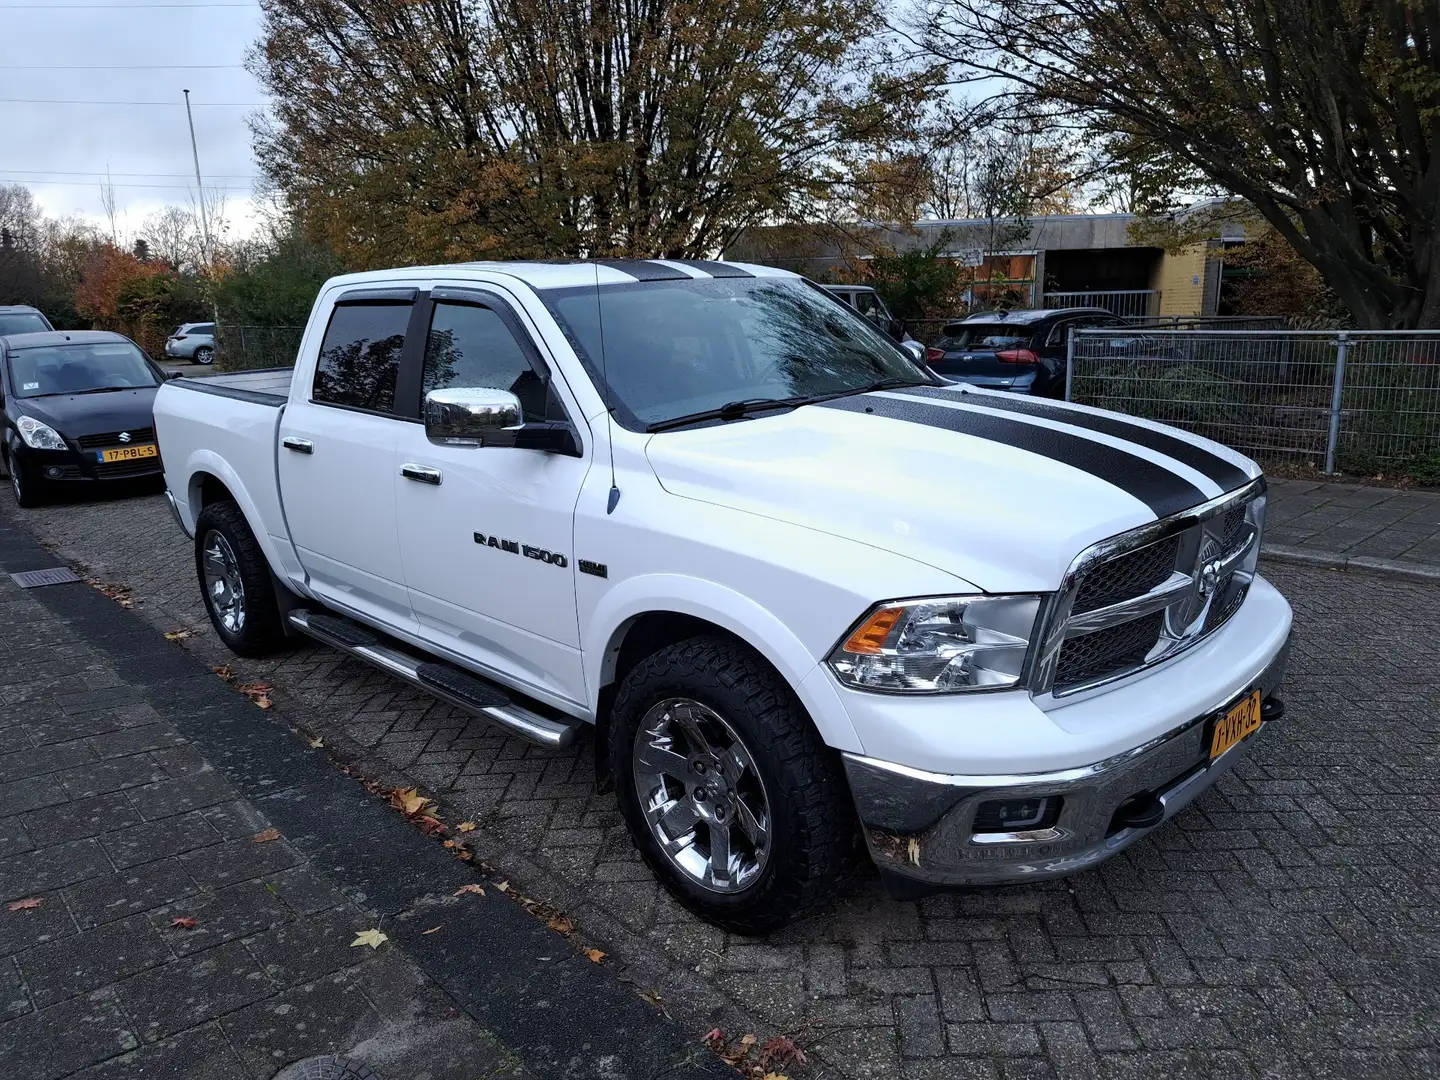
[{"x": 614, "y": 499}]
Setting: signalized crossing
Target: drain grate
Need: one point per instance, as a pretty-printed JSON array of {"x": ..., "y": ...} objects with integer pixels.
[{"x": 55, "y": 575}]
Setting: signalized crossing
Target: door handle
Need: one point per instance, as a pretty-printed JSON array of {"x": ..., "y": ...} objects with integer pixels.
[
  {"x": 300, "y": 446},
  {"x": 421, "y": 474}
]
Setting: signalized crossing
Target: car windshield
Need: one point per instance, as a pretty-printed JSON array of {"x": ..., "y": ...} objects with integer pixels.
[
  {"x": 22, "y": 322},
  {"x": 675, "y": 348},
  {"x": 986, "y": 336},
  {"x": 79, "y": 368}
]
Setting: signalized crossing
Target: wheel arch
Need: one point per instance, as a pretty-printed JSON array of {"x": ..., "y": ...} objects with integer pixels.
[{"x": 640, "y": 616}]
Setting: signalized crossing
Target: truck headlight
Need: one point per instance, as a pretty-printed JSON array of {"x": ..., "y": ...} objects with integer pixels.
[
  {"x": 39, "y": 436},
  {"x": 939, "y": 646}
]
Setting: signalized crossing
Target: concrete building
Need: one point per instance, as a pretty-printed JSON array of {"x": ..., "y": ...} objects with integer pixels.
[{"x": 1058, "y": 261}]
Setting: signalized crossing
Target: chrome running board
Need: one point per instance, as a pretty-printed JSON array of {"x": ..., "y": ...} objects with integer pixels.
[{"x": 465, "y": 691}]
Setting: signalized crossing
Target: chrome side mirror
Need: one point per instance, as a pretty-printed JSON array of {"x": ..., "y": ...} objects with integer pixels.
[
  {"x": 464, "y": 416},
  {"x": 916, "y": 350}
]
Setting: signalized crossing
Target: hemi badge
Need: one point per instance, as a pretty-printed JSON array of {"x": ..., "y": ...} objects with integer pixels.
[{"x": 599, "y": 569}]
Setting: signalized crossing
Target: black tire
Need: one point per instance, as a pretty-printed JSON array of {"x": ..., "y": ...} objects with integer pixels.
[
  {"x": 28, "y": 491},
  {"x": 811, "y": 818},
  {"x": 204, "y": 355},
  {"x": 259, "y": 630}
]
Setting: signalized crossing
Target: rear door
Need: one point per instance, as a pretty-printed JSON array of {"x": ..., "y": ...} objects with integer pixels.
[{"x": 337, "y": 457}]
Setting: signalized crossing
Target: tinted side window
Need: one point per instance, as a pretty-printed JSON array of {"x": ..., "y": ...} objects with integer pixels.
[
  {"x": 203, "y": 328},
  {"x": 360, "y": 356},
  {"x": 471, "y": 346}
]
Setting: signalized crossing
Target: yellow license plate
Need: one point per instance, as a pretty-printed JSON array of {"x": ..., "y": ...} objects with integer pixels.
[
  {"x": 1239, "y": 721},
  {"x": 129, "y": 453}
]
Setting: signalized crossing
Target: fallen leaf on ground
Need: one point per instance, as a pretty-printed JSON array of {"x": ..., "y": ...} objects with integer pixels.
[
  {"x": 651, "y": 996},
  {"x": 465, "y": 826},
  {"x": 259, "y": 693},
  {"x": 408, "y": 801},
  {"x": 560, "y": 924},
  {"x": 714, "y": 1037},
  {"x": 476, "y": 889},
  {"x": 223, "y": 670},
  {"x": 430, "y": 826},
  {"x": 503, "y": 886},
  {"x": 914, "y": 851},
  {"x": 315, "y": 744},
  {"x": 595, "y": 955},
  {"x": 177, "y": 635},
  {"x": 266, "y": 836},
  {"x": 776, "y": 1076},
  {"x": 780, "y": 1050},
  {"x": 29, "y": 904},
  {"x": 119, "y": 593},
  {"x": 373, "y": 938},
  {"x": 432, "y": 930},
  {"x": 184, "y": 922}
]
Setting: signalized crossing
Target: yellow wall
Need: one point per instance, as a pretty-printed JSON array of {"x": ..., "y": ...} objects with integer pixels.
[{"x": 1180, "y": 278}]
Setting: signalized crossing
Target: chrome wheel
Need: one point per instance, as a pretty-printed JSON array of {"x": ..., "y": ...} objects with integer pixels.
[
  {"x": 224, "y": 590},
  {"x": 702, "y": 795}
]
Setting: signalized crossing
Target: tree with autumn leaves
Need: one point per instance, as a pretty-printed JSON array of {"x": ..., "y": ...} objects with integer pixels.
[
  {"x": 409, "y": 132},
  {"x": 1321, "y": 115}
]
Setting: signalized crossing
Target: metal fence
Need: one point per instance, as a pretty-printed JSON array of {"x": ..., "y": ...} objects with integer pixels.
[
  {"x": 1128, "y": 302},
  {"x": 1349, "y": 401},
  {"x": 244, "y": 348}
]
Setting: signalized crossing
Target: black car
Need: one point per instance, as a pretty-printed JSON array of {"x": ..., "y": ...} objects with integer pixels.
[
  {"x": 78, "y": 410},
  {"x": 1019, "y": 351}
]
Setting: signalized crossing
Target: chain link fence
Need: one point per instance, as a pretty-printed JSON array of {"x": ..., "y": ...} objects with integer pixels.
[
  {"x": 245, "y": 348},
  {"x": 1345, "y": 401}
]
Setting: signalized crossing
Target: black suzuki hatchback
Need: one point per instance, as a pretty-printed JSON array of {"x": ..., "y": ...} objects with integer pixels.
[{"x": 79, "y": 408}]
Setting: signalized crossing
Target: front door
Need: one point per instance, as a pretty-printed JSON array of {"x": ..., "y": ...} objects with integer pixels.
[
  {"x": 337, "y": 462},
  {"x": 486, "y": 532}
]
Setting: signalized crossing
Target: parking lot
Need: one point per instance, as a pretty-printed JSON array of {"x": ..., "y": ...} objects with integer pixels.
[{"x": 1284, "y": 926}]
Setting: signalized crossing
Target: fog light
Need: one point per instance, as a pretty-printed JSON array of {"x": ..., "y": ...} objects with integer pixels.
[
  {"x": 1016, "y": 815},
  {"x": 54, "y": 472}
]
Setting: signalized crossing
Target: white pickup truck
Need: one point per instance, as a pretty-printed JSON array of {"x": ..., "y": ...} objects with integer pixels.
[{"x": 809, "y": 596}]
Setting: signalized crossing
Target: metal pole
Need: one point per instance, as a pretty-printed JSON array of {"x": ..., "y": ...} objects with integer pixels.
[
  {"x": 199, "y": 185},
  {"x": 1069, "y": 362},
  {"x": 1342, "y": 349}
]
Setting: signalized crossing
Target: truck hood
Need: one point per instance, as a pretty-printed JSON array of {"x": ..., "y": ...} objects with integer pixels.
[{"x": 1001, "y": 491}]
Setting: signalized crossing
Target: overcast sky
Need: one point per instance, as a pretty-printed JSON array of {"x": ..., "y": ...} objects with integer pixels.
[{"x": 61, "y": 151}]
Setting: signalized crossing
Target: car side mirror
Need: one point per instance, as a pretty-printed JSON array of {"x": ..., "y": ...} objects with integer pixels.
[
  {"x": 465, "y": 416},
  {"x": 174, "y": 375},
  {"x": 916, "y": 350}
]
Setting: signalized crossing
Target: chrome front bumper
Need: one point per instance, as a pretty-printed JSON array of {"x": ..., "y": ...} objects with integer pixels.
[{"x": 920, "y": 825}]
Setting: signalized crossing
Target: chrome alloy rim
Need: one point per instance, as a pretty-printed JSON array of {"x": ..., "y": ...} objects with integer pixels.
[
  {"x": 223, "y": 587},
  {"x": 702, "y": 795}
]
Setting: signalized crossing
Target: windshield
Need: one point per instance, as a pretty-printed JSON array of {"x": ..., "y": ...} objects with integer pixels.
[
  {"x": 24, "y": 322},
  {"x": 79, "y": 368},
  {"x": 673, "y": 348}
]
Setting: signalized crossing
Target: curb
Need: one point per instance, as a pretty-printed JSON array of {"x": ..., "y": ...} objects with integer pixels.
[{"x": 1330, "y": 560}]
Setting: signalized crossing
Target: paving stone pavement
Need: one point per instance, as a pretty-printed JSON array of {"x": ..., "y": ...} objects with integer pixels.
[
  {"x": 118, "y": 826},
  {"x": 1284, "y": 926},
  {"x": 1356, "y": 520}
]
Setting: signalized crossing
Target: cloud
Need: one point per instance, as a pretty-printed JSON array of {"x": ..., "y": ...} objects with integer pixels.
[{"x": 61, "y": 151}]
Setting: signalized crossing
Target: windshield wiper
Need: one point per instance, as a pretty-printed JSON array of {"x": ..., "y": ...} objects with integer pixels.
[
  {"x": 731, "y": 410},
  {"x": 98, "y": 390}
]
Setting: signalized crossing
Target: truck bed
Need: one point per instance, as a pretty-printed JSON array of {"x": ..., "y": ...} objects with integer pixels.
[{"x": 265, "y": 386}]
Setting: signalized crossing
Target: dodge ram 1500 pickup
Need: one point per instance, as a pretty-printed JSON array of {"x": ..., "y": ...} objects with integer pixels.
[{"x": 812, "y": 599}]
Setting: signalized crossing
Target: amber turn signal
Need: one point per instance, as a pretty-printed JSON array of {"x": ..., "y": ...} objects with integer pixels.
[{"x": 869, "y": 637}]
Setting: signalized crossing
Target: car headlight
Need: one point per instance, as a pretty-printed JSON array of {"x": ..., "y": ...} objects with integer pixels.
[
  {"x": 39, "y": 436},
  {"x": 944, "y": 645}
]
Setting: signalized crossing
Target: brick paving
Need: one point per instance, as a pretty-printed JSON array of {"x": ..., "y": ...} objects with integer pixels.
[
  {"x": 118, "y": 826},
  {"x": 1283, "y": 926},
  {"x": 1355, "y": 520}
]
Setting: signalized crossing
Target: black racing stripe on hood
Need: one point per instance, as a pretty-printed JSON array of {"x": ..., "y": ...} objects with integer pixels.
[
  {"x": 1157, "y": 487},
  {"x": 1224, "y": 473}
]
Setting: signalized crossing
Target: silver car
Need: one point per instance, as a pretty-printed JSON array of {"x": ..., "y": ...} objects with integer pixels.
[{"x": 193, "y": 341}]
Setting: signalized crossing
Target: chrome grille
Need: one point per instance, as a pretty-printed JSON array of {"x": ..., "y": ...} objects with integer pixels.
[
  {"x": 1127, "y": 575},
  {"x": 1144, "y": 596},
  {"x": 1096, "y": 655},
  {"x": 112, "y": 439}
]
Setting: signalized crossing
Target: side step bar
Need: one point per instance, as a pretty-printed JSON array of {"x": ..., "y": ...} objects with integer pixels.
[{"x": 449, "y": 684}]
